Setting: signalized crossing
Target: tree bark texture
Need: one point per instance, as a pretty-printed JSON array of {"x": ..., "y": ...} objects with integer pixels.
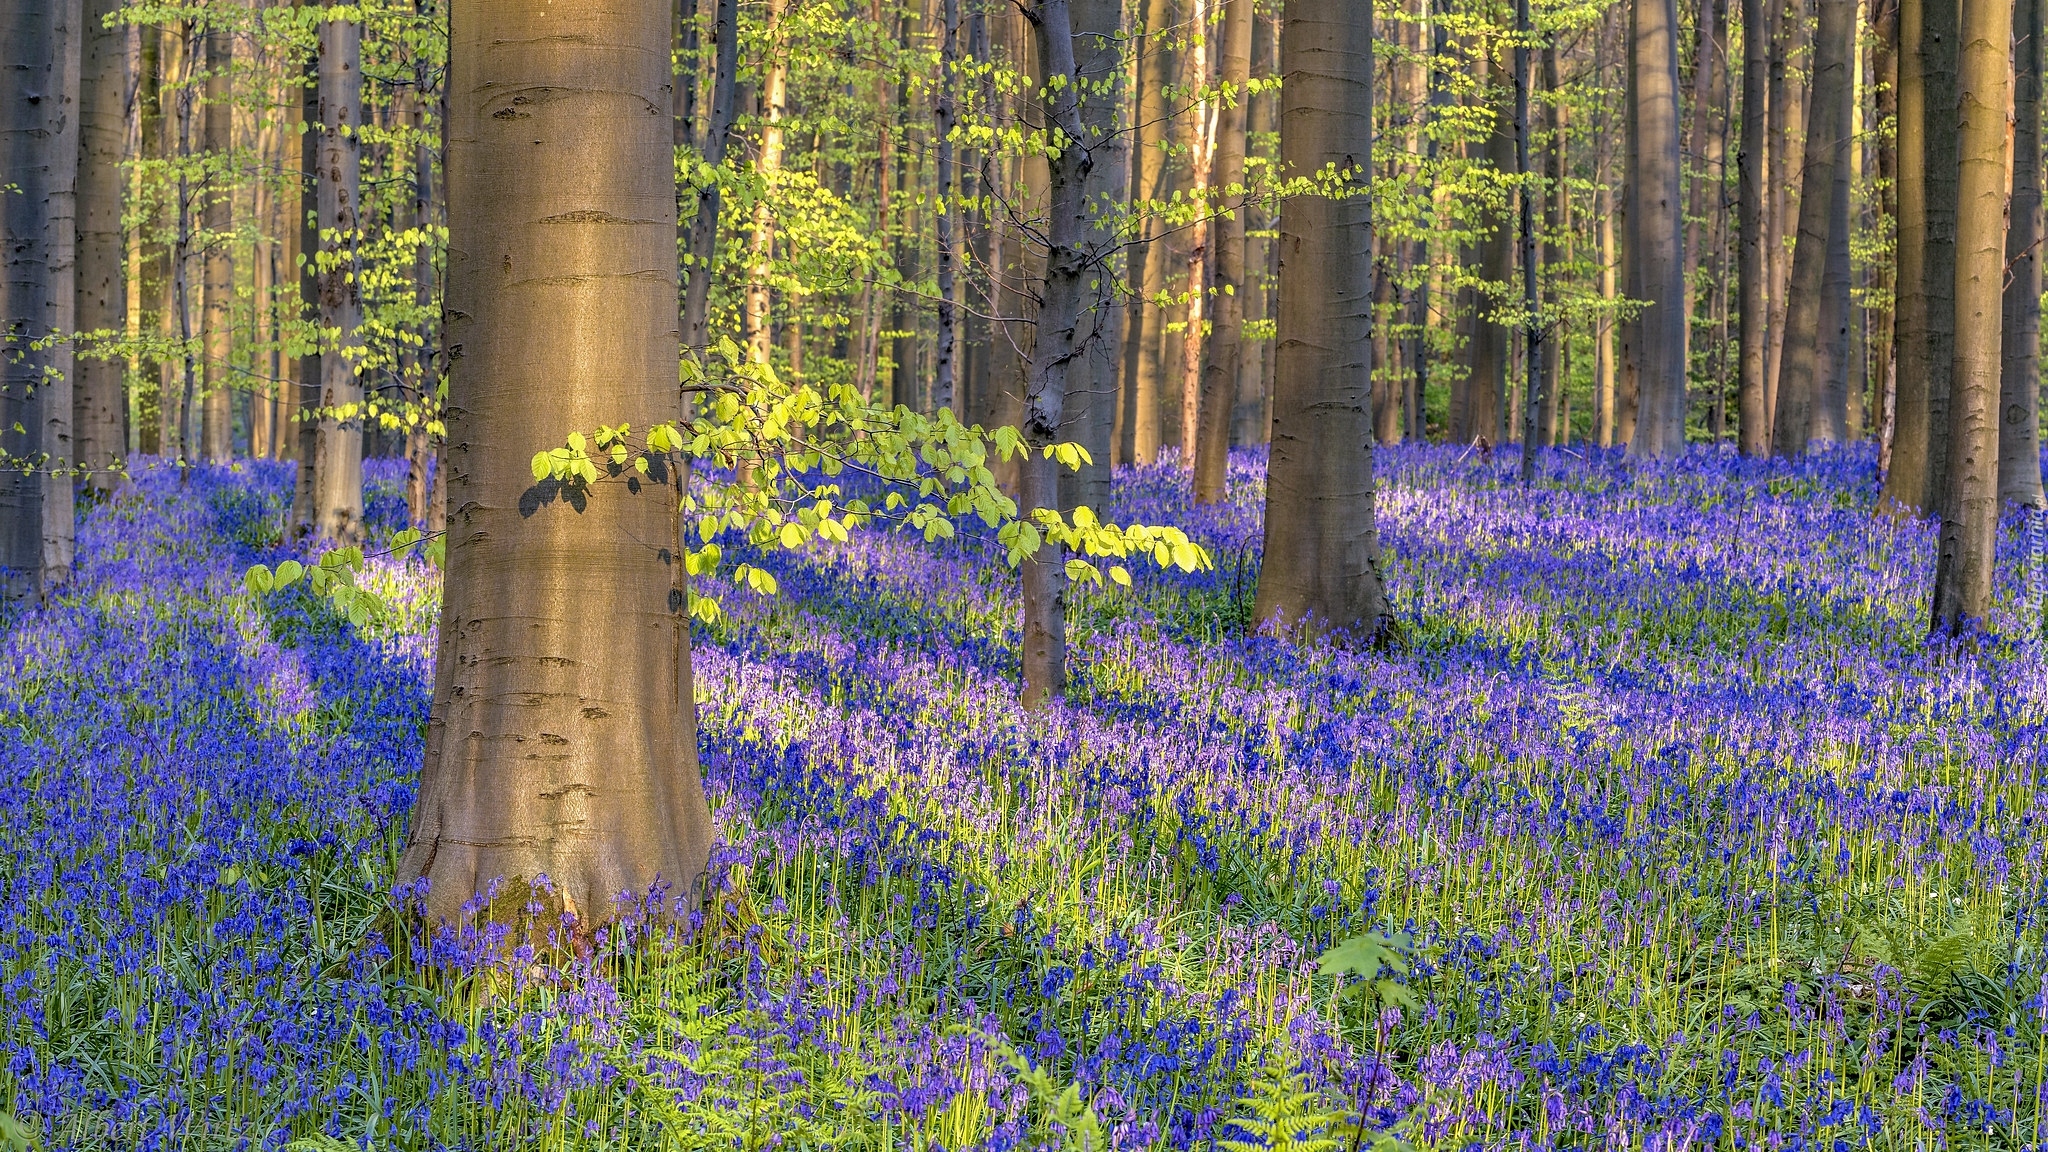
[
  {"x": 217, "y": 279},
  {"x": 2019, "y": 421},
  {"x": 31, "y": 113},
  {"x": 1655, "y": 224},
  {"x": 338, "y": 473},
  {"x": 554, "y": 751},
  {"x": 1799, "y": 374},
  {"x": 1226, "y": 338},
  {"x": 1969, "y": 513},
  {"x": 1143, "y": 364},
  {"x": 1099, "y": 27},
  {"x": 1322, "y": 557},
  {"x": 98, "y": 402}
]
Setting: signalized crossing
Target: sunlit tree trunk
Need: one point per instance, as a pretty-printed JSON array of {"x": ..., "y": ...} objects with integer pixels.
[
  {"x": 761, "y": 248},
  {"x": 98, "y": 402},
  {"x": 1322, "y": 557},
  {"x": 1969, "y": 511},
  {"x": 338, "y": 473},
  {"x": 554, "y": 751},
  {"x": 1201, "y": 156},
  {"x": 1655, "y": 223},
  {"x": 217, "y": 288},
  {"x": 1143, "y": 368},
  {"x": 2019, "y": 422},
  {"x": 1055, "y": 349}
]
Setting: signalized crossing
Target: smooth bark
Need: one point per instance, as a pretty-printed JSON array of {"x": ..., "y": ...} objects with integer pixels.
[
  {"x": 338, "y": 472},
  {"x": 98, "y": 405},
  {"x": 2019, "y": 421},
  {"x": 1655, "y": 222},
  {"x": 1226, "y": 339},
  {"x": 1322, "y": 557},
  {"x": 1799, "y": 375}
]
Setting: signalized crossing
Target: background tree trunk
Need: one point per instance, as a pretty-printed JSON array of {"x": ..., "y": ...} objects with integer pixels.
[
  {"x": 338, "y": 474},
  {"x": 1753, "y": 432},
  {"x": 704, "y": 225},
  {"x": 1938, "y": 270},
  {"x": 1969, "y": 513},
  {"x": 948, "y": 210},
  {"x": 1322, "y": 554},
  {"x": 546, "y": 757},
  {"x": 1486, "y": 393},
  {"x": 1533, "y": 346},
  {"x": 2019, "y": 423},
  {"x": 1799, "y": 375},
  {"x": 98, "y": 404},
  {"x": 754, "y": 317},
  {"x": 1831, "y": 397},
  {"x": 1655, "y": 224},
  {"x": 217, "y": 288},
  {"x": 305, "y": 492},
  {"x": 1099, "y": 29},
  {"x": 1226, "y": 338},
  {"x": 1143, "y": 367},
  {"x": 61, "y": 308}
]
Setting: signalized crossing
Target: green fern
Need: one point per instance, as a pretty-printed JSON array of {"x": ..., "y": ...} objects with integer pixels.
[
  {"x": 1285, "y": 1116},
  {"x": 1072, "y": 1118}
]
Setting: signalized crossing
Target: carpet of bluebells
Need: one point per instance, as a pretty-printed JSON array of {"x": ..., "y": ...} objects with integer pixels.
[{"x": 1697, "y": 841}]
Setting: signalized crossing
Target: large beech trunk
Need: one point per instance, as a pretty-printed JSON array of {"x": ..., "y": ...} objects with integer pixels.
[
  {"x": 557, "y": 749},
  {"x": 1057, "y": 346},
  {"x": 338, "y": 470},
  {"x": 1322, "y": 557},
  {"x": 2019, "y": 422},
  {"x": 1655, "y": 229},
  {"x": 99, "y": 418},
  {"x": 1969, "y": 509},
  {"x": 1799, "y": 375}
]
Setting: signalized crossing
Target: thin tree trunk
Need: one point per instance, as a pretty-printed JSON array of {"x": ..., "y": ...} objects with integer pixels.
[
  {"x": 1144, "y": 368},
  {"x": 767, "y": 164},
  {"x": 1938, "y": 34},
  {"x": 1322, "y": 556},
  {"x": 1831, "y": 397},
  {"x": 2019, "y": 442},
  {"x": 1969, "y": 521},
  {"x": 1486, "y": 393},
  {"x": 1884, "y": 83},
  {"x": 218, "y": 269},
  {"x": 1557, "y": 216},
  {"x": 704, "y": 224},
  {"x": 1709, "y": 99},
  {"x": 615, "y": 806},
  {"x": 1799, "y": 384},
  {"x": 338, "y": 475},
  {"x": 1070, "y": 263},
  {"x": 1655, "y": 230},
  {"x": 1202, "y": 156},
  {"x": 61, "y": 312},
  {"x": 305, "y": 493},
  {"x": 1532, "y": 316},
  {"x": 947, "y": 210},
  {"x": 1604, "y": 330},
  {"x": 102, "y": 241}
]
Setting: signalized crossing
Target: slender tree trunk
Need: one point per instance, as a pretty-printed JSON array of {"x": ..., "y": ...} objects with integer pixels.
[
  {"x": 1419, "y": 305},
  {"x": 2019, "y": 423},
  {"x": 1322, "y": 554},
  {"x": 1486, "y": 395},
  {"x": 1655, "y": 230},
  {"x": 1532, "y": 317},
  {"x": 102, "y": 241},
  {"x": 1832, "y": 408},
  {"x": 1938, "y": 42},
  {"x": 305, "y": 494},
  {"x": 1604, "y": 330},
  {"x": 218, "y": 275},
  {"x": 1799, "y": 383},
  {"x": 704, "y": 224},
  {"x": 946, "y": 213},
  {"x": 1202, "y": 155},
  {"x": 1884, "y": 83},
  {"x": 61, "y": 311},
  {"x": 1905, "y": 481},
  {"x": 767, "y": 164},
  {"x": 338, "y": 475},
  {"x": 1100, "y": 27},
  {"x": 1144, "y": 368},
  {"x": 1709, "y": 100},
  {"x": 1070, "y": 263},
  {"x": 1557, "y": 223},
  {"x": 142, "y": 70},
  {"x": 550, "y": 250},
  {"x": 1969, "y": 513}
]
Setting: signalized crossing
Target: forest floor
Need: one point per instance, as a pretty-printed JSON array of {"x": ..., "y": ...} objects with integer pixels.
[{"x": 1691, "y": 839}]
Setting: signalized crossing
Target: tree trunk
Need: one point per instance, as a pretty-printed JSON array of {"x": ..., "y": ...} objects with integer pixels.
[
  {"x": 32, "y": 113},
  {"x": 761, "y": 248},
  {"x": 1922, "y": 436},
  {"x": 1099, "y": 31},
  {"x": 704, "y": 225},
  {"x": 61, "y": 309},
  {"x": 1143, "y": 367},
  {"x": 1322, "y": 557},
  {"x": 1201, "y": 157},
  {"x": 1056, "y": 348},
  {"x": 1557, "y": 222},
  {"x": 1486, "y": 408},
  {"x": 1969, "y": 512},
  {"x": 1709, "y": 99},
  {"x": 946, "y": 212},
  {"x": 1533, "y": 349},
  {"x": 305, "y": 493},
  {"x": 217, "y": 288},
  {"x": 546, "y": 759},
  {"x": 1604, "y": 329},
  {"x": 1799, "y": 375},
  {"x": 102, "y": 241},
  {"x": 338, "y": 474},
  {"x": 1884, "y": 84},
  {"x": 2019, "y": 424},
  {"x": 1832, "y": 408},
  {"x": 1655, "y": 224}
]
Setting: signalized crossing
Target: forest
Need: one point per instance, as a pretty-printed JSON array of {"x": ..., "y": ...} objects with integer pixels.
[{"x": 1070, "y": 575}]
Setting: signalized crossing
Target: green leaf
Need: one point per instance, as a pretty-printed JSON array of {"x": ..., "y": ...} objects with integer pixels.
[
  {"x": 543, "y": 466},
  {"x": 288, "y": 573},
  {"x": 258, "y": 580}
]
